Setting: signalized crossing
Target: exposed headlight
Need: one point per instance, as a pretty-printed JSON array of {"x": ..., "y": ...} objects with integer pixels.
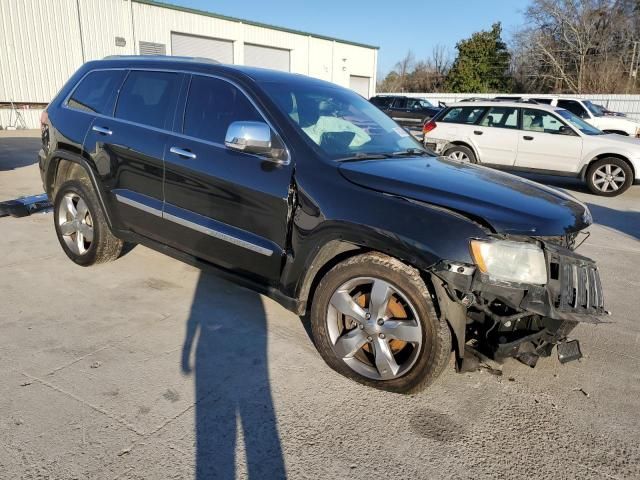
[{"x": 511, "y": 261}]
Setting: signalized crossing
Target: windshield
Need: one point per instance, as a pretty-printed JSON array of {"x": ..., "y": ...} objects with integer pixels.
[
  {"x": 340, "y": 122},
  {"x": 596, "y": 110},
  {"x": 577, "y": 122}
]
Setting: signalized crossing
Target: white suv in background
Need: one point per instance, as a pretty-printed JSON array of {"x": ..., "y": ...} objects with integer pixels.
[
  {"x": 589, "y": 112},
  {"x": 528, "y": 136}
]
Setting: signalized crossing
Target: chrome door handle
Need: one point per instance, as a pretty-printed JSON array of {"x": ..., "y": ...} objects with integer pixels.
[
  {"x": 182, "y": 152},
  {"x": 101, "y": 130}
]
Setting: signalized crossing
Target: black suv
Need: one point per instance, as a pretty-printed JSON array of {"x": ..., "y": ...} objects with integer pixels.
[
  {"x": 307, "y": 193},
  {"x": 407, "y": 111}
]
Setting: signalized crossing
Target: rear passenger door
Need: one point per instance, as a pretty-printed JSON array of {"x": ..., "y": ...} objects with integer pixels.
[
  {"x": 495, "y": 137},
  {"x": 127, "y": 148},
  {"x": 228, "y": 207},
  {"x": 398, "y": 109}
]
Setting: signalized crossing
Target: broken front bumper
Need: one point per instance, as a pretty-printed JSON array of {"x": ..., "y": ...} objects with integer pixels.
[{"x": 510, "y": 319}]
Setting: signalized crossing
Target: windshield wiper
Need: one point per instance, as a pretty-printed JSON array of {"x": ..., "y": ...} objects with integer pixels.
[
  {"x": 413, "y": 152},
  {"x": 363, "y": 156}
]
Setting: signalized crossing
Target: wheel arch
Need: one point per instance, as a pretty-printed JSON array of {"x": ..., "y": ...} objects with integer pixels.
[
  {"x": 66, "y": 165},
  {"x": 327, "y": 257},
  {"x": 463, "y": 143},
  {"x": 617, "y": 132},
  {"x": 600, "y": 156}
]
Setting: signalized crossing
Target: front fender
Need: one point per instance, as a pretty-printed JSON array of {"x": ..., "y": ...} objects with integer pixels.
[{"x": 417, "y": 234}]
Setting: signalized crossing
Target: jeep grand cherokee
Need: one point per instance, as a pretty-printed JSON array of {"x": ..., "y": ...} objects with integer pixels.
[{"x": 307, "y": 193}]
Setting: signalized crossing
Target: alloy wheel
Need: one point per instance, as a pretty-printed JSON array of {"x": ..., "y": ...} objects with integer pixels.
[
  {"x": 75, "y": 223},
  {"x": 460, "y": 156},
  {"x": 373, "y": 328},
  {"x": 608, "y": 178}
]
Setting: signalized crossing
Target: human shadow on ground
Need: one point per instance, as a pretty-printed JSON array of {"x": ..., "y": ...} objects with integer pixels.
[
  {"x": 226, "y": 349},
  {"x": 16, "y": 152}
]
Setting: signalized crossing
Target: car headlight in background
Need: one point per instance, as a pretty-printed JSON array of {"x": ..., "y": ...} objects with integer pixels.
[{"x": 511, "y": 261}]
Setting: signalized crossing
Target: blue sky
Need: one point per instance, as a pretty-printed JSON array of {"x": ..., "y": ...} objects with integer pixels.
[{"x": 389, "y": 25}]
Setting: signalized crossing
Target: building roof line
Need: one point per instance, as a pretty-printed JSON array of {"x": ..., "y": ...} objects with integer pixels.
[{"x": 179, "y": 8}]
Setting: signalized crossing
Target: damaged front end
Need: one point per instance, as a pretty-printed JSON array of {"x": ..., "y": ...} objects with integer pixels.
[{"x": 525, "y": 316}]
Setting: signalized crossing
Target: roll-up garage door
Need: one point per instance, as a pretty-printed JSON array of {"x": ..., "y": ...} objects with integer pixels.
[
  {"x": 203, "y": 47},
  {"x": 267, "y": 57},
  {"x": 360, "y": 85}
]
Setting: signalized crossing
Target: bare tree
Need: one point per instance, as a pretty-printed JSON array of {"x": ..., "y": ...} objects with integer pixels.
[{"x": 576, "y": 45}]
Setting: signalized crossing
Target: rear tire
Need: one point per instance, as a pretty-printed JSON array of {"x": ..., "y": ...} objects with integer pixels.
[
  {"x": 609, "y": 177},
  {"x": 372, "y": 351},
  {"x": 461, "y": 154},
  {"x": 81, "y": 227}
]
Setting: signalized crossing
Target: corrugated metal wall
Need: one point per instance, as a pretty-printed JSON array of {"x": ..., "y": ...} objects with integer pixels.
[
  {"x": 627, "y": 104},
  {"x": 45, "y": 41},
  {"x": 40, "y": 48}
]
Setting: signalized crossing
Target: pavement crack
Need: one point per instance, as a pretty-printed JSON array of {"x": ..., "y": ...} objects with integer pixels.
[{"x": 128, "y": 426}]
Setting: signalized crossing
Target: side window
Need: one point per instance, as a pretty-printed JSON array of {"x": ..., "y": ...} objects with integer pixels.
[
  {"x": 400, "y": 102},
  {"x": 501, "y": 117},
  {"x": 469, "y": 115},
  {"x": 95, "y": 93},
  {"x": 413, "y": 103},
  {"x": 573, "y": 107},
  {"x": 540, "y": 121},
  {"x": 149, "y": 98},
  {"x": 383, "y": 102},
  {"x": 212, "y": 106}
]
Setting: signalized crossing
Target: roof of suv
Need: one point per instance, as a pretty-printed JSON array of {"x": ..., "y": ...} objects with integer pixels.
[
  {"x": 203, "y": 65},
  {"x": 503, "y": 103}
]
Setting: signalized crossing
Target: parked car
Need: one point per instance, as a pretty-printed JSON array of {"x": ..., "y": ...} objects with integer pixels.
[
  {"x": 397, "y": 256},
  {"x": 606, "y": 111},
  {"x": 407, "y": 111},
  {"x": 526, "y": 136},
  {"x": 605, "y": 120}
]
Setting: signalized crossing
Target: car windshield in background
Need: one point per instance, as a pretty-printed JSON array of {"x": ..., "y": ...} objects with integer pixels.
[
  {"x": 577, "y": 122},
  {"x": 341, "y": 123},
  {"x": 595, "y": 110}
]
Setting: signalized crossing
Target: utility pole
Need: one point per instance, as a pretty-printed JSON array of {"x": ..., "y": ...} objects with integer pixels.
[{"x": 633, "y": 68}]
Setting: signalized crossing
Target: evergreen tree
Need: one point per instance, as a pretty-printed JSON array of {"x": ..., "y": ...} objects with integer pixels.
[{"x": 482, "y": 64}]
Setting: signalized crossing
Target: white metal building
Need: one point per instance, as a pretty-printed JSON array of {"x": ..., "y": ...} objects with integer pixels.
[{"x": 45, "y": 41}]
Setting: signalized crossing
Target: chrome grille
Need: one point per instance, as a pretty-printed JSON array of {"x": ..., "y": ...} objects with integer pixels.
[{"x": 580, "y": 289}]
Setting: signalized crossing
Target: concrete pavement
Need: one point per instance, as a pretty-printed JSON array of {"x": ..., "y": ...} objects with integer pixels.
[{"x": 149, "y": 368}]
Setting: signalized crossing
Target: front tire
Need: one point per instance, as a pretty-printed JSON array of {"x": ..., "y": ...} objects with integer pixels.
[
  {"x": 461, "y": 154},
  {"x": 373, "y": 321},
  {"x": 81, "y": 226},
  {"x": 609, "y": 177}
]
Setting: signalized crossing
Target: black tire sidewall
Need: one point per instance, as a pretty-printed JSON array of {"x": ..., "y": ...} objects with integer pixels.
[
  {"x": 462, "y": 148},
  {"x": 425, "y": 367},
  {"x": 74, "y": 186},
  {"x": 613, "y": 161}
]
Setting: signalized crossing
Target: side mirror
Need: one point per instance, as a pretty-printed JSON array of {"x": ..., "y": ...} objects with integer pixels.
[
  {"x": 252, "y": 137},
  {"x": 564, "y": 130}
]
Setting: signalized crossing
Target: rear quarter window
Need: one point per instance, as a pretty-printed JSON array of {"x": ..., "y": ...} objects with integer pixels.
[
  {"x": 467, "y": 115},
  {"x": 382, "y": 102},
  {"x": 96, "y": 92}
]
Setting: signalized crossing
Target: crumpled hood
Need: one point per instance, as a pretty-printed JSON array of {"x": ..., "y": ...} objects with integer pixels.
[{"x": 510, "y": 204}]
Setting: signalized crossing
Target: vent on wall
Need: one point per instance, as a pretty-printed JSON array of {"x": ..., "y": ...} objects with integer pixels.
[{"x": 150, "y": 48}]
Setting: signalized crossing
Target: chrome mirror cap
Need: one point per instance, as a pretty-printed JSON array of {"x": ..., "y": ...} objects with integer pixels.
[{"x": 249, "y": 137}]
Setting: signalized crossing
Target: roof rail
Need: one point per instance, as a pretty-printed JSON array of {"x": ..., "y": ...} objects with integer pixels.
[{"x": 162, "y": 58}]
